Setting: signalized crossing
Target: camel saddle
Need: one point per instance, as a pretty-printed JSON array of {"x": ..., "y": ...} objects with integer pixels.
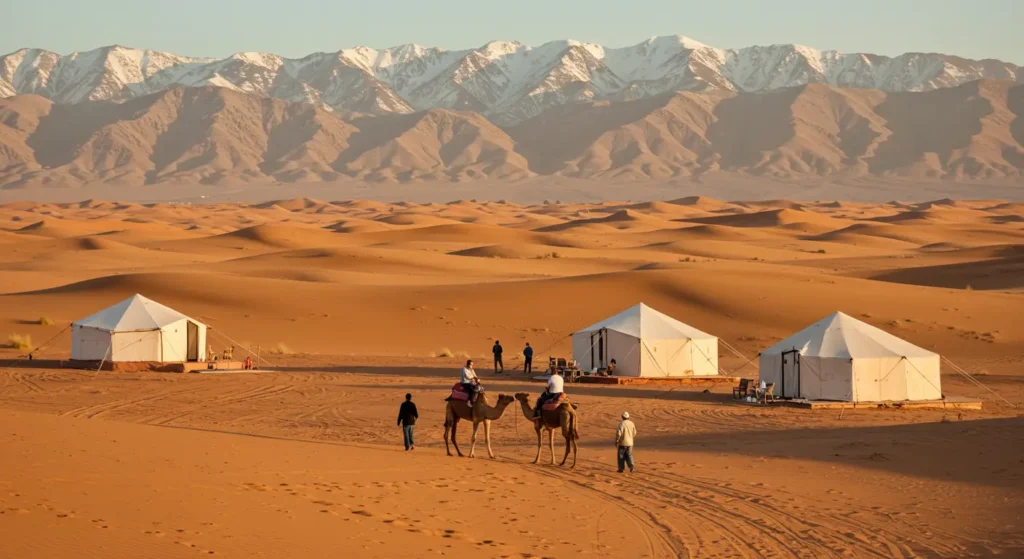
[
  {"x": 555, "y": 403},
  {"x": 459, "y": 393}
]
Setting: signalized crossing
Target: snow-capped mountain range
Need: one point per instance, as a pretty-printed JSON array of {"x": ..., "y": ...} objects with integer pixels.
[{"x": 506, "y": 81}]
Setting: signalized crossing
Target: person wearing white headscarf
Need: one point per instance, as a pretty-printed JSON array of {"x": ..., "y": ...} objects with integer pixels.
[{"x": 624, "y": 442}]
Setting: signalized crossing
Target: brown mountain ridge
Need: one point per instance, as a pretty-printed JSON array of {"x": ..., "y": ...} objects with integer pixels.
[{"x": 214, "y": 135}]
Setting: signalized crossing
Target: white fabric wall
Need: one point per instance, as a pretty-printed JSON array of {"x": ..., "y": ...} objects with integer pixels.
[
  {"x": 89, "y": 344},
  {"x": 663, "y": 358},
  {"x": 704, "y": 357},
  {"x": 923, "y": 380},
  {"x": 826, "y": 378},
  {"x": 678, "y": 357},
  {"x": 626, "y": 352},
  {"x": 135, "y": 346},
  {"x": 174, "y": 341},
  {"x": 769, "y": 370},
  {"x": 897, "y": 379},
  {"x": 202, "y": 341},
  {"x": 581, "y": 351}
]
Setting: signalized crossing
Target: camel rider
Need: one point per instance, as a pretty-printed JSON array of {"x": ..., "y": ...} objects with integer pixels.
[
  {"x": 469, "y": 381},
  {"x": 556, "y": 385}
]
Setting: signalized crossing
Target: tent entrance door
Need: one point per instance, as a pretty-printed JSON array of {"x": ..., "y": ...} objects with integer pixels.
[
  {"x": 599, "y": 348},
  {"x": 790, "y": 374},
  {"x": 192, "y": 353}
]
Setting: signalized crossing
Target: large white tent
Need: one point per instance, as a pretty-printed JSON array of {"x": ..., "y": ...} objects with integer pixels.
[
  {"x": 138, "y": 330},
  {"x": 843, "y": 359},
  {"x": 646, "y": 343}
]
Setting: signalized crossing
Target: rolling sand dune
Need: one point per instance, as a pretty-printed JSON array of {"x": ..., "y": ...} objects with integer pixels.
[
  {"x": 352, "y": 304},
  {"x": 781, "y": 219}
]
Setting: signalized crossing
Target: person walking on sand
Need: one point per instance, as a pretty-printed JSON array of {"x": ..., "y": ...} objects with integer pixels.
[
  {"x": 407, "y": 416},
  {"x": 527, "y": 359},
  {"x": 624, "y": 442},
  {"x": 499, "y": 367}
]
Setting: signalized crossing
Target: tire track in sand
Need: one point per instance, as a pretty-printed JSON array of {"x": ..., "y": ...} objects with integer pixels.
[
  {"x": 96, "y": 410},
  {"x": 251, "y": 395},
  {"x": 29, "y": 384},
  {"x": 661, "y": 538},
  {"x": 721, "y": 521},
  {"x": 894, "y": 537}
]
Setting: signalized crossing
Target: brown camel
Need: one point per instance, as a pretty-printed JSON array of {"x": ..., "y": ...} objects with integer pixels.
[
  {"x": 564, "y": 417},
  {"x": 481, "y": 412}
]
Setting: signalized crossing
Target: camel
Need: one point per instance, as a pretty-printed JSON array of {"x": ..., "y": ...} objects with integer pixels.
[
  {"x": 564, "y": 417},
  {"x": 481, "y": 412}
]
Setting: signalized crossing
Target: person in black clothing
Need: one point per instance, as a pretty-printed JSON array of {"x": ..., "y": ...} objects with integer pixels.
[
  {"x": 407, "y": 415},
  {"x": 499, "y": 367},
  {"x": 528, "y": 359}
]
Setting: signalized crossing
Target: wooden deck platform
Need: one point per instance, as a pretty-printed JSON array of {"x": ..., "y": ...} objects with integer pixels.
[
  {"x": 953, "y": 403},
  {"x": 203, "y": 366},
  {"x": 662, "y": 381}
]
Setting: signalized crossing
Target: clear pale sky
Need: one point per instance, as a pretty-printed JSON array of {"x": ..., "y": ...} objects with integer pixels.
[{"x": 969, "y": 28}]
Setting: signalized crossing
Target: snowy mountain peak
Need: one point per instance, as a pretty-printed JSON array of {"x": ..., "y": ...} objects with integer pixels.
[{"x": 505, "y": 80}]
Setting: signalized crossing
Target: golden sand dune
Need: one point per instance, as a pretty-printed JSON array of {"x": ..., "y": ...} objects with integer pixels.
[
  {"x": 214, "y": 135},
  {"x": 342, "y": 259},
  {"x": 352, "y": 304}
]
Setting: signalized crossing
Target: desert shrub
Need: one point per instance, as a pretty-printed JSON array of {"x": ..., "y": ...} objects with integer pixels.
[
  {"x": 444, "y": 352},
  {"x": 821, "y": 251},
  {"x": 969, "y": 288},
  {"x": 281, "y": 349},
  {"x": 19, "y": 341},
  {"x": 44, "y": 321}
]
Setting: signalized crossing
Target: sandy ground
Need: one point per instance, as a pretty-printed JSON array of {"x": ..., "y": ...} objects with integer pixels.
[{"x": 352, "y": 303}]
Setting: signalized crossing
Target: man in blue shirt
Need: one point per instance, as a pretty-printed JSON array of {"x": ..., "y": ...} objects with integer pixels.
[{"x": 528, "y": 359}]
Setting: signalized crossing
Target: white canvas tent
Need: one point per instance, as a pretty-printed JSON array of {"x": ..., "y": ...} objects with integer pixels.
[
  {"x": 842, "y": 359},
  {"x": 646, "y": 343},
  {"x": 138, "y": 330}
]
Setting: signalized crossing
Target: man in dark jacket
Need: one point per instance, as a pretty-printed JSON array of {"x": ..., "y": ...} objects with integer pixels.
[
  {"x": 499, "y": 367},
  {"x": 528, "y": 359},
  {"x": 407, "y": 416}
]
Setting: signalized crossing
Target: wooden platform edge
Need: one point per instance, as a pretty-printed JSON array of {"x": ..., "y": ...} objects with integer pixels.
[
  {"x": 671, "y": 381},
  {"x": 949, "y": 403}
]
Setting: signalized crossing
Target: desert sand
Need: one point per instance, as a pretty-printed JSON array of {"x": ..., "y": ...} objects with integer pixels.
[{"x": 354, "y": 303}]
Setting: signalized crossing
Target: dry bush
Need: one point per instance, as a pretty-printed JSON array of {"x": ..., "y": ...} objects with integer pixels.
[
  {"x": 44, "y": 321},
  {"x": 281, "y": 349},
  {"x": 444, "y": 352},
  {"x": 19, "y": 341}
]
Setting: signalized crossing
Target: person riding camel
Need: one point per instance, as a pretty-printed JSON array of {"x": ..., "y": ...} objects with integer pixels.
[
  {"x": 555, "y": 387},
  {"x": 469, "y": 381}
]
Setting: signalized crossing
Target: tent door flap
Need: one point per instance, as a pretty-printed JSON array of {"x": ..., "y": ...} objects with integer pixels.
[
  {"x": 790, "y": 378},
  {"x": 598, "y": 353},
  {"x": 192, "y": 354}
]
